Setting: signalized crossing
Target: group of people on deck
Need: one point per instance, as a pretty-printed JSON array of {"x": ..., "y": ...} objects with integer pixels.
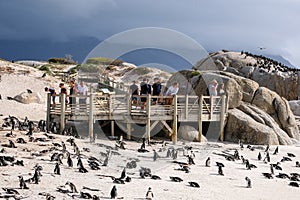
[
  {"x": 74, "y": 89},
  {"x": 155, "y": 90}
]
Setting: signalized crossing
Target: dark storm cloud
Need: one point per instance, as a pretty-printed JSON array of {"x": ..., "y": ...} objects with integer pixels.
[{"x": 234, "y": 24}]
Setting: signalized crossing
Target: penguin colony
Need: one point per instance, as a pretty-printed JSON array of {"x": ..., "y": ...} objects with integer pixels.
[{"x": 67, "y": 157}]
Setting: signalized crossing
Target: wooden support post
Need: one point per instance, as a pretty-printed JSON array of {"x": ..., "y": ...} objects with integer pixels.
[
  {"x": 129, "y": 103},
  {"x": 48, "y": 112},
  {"x": 62, "y": 112},
  {"x": 174, "y": 135},
  {"x": 148, "y": 123},
  {"x": 186, "y": 106},
  {"x": 112, "y": 125},
  {"x": 110, "y": 106},
  {"x": 222, "y": 117},
  {"x": 91, "y": 119},
  {"x": 200, "y": 117},
  {"x": 128, "y": 131},
  {"x": 211, "y": 106}
]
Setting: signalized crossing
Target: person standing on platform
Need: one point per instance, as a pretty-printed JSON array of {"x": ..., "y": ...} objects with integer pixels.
[
  {"x": 156, "y": 89},
  {"x": 73, "y": 91},
  {"x": 145, "y": 89},
  {"x": 82, "y": 91},
  {"x": 172, "y": 91},
  {"x": 134, "y": 92}
]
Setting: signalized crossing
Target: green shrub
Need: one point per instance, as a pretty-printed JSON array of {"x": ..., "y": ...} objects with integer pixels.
[
  {"x": 74, "y": 70},
  {"x": 89, "y": 68},
  {"x": 46, "y": 68},
  {"x": 61, "y": 61},
  {"x": 104, "y": 61}
]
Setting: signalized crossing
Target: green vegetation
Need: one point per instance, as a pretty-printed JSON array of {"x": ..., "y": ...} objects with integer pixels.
[
  {"x": 89, "y": 68},
  {"x": 61, "y": 61},
  {"x": 195, "y": 73},
  {"x": 104, "y": 61},
  {"x": 74, "y": 70},
  {"x": 141, "y": 71},
  {"x": 46, "y": 68}
]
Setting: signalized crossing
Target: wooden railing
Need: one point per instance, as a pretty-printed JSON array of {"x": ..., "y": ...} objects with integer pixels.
[{"x": 109, "y": 106}]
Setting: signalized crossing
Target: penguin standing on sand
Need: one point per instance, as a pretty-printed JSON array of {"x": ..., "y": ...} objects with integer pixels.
[
  {"x": 220, "y": 170},
  {"x": 149, "y": 194},
  {"x": 22, "y": 183},
  {"x": 113, "y": 192},
  {"x": 249, "y": 185},
  {"x": 69, "y": 160},
  {"x": 207, "y": 162},
  {"x": 259, "y": 156},
  {"x": 57, "y": 169},
  {"x": 155, "y": 155},
  {"x": 276, "y": 151}
]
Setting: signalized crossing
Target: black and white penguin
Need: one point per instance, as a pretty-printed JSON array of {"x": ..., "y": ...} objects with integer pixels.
[
  {"x": 113, "y": 192},
  {"x": 149, "y": 194},
  {"x": 249, "y": 185},
  {"x": 123, "y": 174},
  {"x": 259, "y": 156},
  {"x": 276, "y": 151},
  {"x": 22, "y": 183},
  {"x": 57, "y": 169},
  {"x": 176, "y": 179},
  {"x": 194, "y": 184},
  {"x": 72, "y": 187},
  {"x": 207, "y": 162},
  {"x": 220, "y": 170}
]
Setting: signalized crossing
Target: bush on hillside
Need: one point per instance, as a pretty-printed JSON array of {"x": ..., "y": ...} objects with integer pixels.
[
  {"x": 89, "y": 68},
  {"x": 104, "y": 61},
  {"x": 61, "y": 61},
  {"x": 46, "y": 68}
]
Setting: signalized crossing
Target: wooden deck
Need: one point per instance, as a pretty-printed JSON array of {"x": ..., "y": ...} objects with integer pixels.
[{"x": 118, "y": 107}]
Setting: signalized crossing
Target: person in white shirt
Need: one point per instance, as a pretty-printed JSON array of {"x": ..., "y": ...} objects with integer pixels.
[
  {"x": 82, "y": 91},
  {"x": 212, "y": 87},
  {"x": 171, "y": 92}
]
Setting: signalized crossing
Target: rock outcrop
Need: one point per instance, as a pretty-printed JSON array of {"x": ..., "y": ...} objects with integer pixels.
[
  {"x": 256, "y": 114},
  {"x": 265, "y": 72},
  {"x": 189, "y": 133},
  {"x": 28, "y": 98}
]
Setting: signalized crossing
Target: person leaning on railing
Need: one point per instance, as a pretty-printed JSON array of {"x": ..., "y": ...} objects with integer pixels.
[
  {"x": 82, "y": 91},
  {"x": 172, "y": 91}
]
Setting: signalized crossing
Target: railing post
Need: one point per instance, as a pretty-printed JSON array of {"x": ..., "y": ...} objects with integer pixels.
[
  {"x": 48, "y": 112},
  {"x": 148, "y": 111},
  {"x": 62, "y": 112},
  {"x": 222, "y": 117},
  {"x": 91, "y": 118},
  {"x": 211, "y": 107},
  {"x": 129, "y": 115},
  {"x": 200, "y": 117},
  {"x": 174, "y": 135},
  {"x": 186, "y": 106},
  {"x": 110, "y": 99}
]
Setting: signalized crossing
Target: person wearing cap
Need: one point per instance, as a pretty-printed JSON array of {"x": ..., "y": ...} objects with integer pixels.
[
  {"x": 145, "y": 89},
  {"x": 134, "y": 92}
]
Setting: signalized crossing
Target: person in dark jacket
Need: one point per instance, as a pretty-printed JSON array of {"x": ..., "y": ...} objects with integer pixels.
[{"x": 145, "y": 89}]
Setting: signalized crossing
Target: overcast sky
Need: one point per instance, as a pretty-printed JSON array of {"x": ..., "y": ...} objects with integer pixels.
[{"x": 215, "y": 24}]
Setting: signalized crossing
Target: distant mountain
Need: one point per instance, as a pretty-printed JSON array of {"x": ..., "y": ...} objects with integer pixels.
[
  {"x": 43, "y": 49},
  {"x": 281, "y": 59}
]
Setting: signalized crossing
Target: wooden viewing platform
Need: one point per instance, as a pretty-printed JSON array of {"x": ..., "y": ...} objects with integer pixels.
[{"x": 118, "y": 107}]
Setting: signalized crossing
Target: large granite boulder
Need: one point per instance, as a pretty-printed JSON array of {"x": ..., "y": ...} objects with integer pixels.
[
  {"x": 248, "y": 86},
  {"x": 251, "y": 125},
  {"x": 266, "y": 73},
  {"x": 189, "y": 133},
  {"x": 278, "y": 108},
  {"x": 28, "y": 98}
]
